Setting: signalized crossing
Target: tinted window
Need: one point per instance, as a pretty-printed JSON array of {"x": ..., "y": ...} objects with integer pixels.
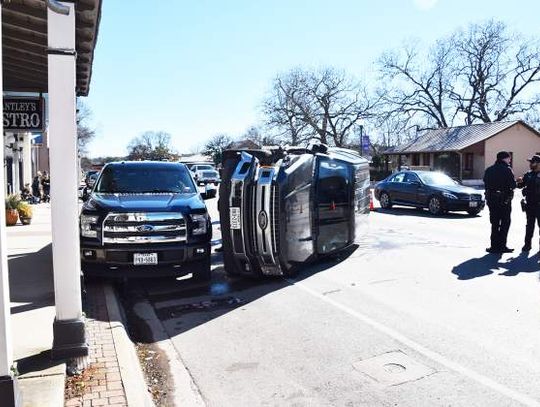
[
  {"x": 410, "y": 177},
  {"x": 145, "y": 179},
  {"x": 334, "y": 208},
  {"x": 333, "y": 180}
]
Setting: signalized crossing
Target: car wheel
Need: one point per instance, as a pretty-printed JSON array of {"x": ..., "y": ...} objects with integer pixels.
[
  {"x": 435, "y": 206},
  {"x": 473, "y": 212},
  {"x": 386, "y": 202}
]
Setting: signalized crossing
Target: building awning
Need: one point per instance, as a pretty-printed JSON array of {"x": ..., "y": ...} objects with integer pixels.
[{"x": 24, "y": 44}]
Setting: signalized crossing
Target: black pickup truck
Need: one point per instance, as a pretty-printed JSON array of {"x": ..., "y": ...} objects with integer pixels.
[
  {"x": 145, "y": 219},
  {"x": 282, "y": 208}
]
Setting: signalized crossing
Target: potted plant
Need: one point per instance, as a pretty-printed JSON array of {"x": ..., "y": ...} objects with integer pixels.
[
  {"x": 25, "y": 212},
  {"x": 12, "y": 203}
]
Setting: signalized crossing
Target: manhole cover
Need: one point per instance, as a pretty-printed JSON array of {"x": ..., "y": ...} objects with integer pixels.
[{"x": 393, "y": 368}]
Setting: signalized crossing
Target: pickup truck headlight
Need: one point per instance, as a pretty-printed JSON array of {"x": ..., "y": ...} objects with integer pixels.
[
  {"x": 88, "y": 225},
  {"x": 199, "y": 224},
  {"x": 449, "y": 195}
]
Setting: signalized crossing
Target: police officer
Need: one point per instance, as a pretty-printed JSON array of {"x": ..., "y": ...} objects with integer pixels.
[
  {"x": 531, "y": 191},
  {"x": 500, "y": 184}
]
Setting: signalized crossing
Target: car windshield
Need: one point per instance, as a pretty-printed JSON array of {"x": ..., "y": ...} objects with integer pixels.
[
  {"x": 145, "y": 179},
  {"x": 436, "y": 178},
  {"x": 204, "y": 167}
]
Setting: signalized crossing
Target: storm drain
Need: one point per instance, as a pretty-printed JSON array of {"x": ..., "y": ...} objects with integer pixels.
[{"x": 393, "y": 368}]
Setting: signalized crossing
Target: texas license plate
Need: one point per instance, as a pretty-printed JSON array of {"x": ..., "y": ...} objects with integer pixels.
[
  {"x": 473, "y": 204},
  {"x": 145, "y": 259},
  {"x": 235, "y": 218}
]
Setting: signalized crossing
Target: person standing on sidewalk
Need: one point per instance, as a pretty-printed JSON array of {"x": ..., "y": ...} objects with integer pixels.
[
  {"x": 46, "y": 183},
  {"x": 37, "y": 187},
  {"x": 531, "y": 191},
  {"x": 500, "y": 183}
]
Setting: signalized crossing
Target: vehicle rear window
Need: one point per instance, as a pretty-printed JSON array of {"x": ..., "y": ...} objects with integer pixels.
[{"x": 145, "y": 179}]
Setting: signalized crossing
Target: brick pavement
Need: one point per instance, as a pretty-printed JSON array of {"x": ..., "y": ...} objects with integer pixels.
[{"x": 103, "y": 383}]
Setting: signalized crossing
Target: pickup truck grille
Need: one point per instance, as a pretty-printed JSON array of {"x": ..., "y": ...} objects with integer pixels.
[{"x": 151, "y": 227}]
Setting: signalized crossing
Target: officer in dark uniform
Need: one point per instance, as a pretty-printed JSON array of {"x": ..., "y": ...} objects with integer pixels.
[
  {"x": 500, "y": 184},
  {"x": 531, "y": 191}
]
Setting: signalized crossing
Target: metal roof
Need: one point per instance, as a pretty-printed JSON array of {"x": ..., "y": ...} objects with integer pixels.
[
  {"x": 453, "y": 138},
  {"x": 24, "y": 44}
]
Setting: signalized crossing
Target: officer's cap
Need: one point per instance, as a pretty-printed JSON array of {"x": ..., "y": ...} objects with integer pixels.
[{"x": 534, "y": 159}]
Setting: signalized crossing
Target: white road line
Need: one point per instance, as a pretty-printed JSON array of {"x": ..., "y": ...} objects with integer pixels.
[{"x": 486, "y": 381}]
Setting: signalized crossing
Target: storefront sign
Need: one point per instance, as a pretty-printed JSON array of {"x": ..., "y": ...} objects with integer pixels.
[{"x": 23, "y": 114}]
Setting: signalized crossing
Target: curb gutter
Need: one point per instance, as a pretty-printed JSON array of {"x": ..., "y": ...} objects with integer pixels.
[
  {"x": 130, "y": 369},
  {"x": 186, "y": 392}
]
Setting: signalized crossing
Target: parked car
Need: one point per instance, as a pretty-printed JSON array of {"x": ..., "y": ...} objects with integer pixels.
[
  {"x": 204, "y": 173},
  {"x": 424, "y": 189},
  {"x": 282, "y": 208},
  {"x": 145, "y": 219}
]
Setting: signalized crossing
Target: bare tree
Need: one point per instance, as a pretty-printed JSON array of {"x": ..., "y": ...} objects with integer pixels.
[
  {"x": 260, "y": 137},
  {"x": 481, "y": 74},
  {"x": 216, "y": 145},
  {"x": 151, "y": 145},
  {"x": 325, "y": 104},
  {"x": 416, "y": 86},
  {"x": 85, "y": 133},
  {"x": 496, "y": 70}
]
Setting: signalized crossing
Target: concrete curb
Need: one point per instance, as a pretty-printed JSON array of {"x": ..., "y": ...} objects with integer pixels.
[
  {"x": 130, "y": 370},
  {"x": 186, "y": 392}
]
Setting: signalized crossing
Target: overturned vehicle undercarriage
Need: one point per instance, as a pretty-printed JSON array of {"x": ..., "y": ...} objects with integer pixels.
[{"x": 281, "y": 208}]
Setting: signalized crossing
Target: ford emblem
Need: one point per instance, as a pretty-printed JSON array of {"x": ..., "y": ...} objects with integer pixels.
[
  {"x": 145, "y": 228},
  {"x": 263, "y": 219}
]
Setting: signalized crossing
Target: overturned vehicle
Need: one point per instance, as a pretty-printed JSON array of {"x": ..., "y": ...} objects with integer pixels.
[{"x": 282, "y": 208}]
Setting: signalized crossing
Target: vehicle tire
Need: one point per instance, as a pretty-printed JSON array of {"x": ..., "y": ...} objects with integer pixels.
[
  {"x": 435, "y": 206},
  {"x": 211, "y": 194},
  {"x": 386, "y": 202},
  {"x": 201, "y": 270},
  {"x": 473, "y": 212}
]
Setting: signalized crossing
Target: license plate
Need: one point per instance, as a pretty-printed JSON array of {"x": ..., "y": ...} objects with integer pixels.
[
  {"x": 473, "y": 204},
  {"x": 235, "y": 218},
  {"x": 145, "y": 259}
]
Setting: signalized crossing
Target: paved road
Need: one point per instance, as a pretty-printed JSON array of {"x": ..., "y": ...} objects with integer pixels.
[{"x": 418, "y": 315}]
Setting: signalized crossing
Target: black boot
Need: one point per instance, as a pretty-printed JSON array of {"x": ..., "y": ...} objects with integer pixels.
[{"x": 527, "y": 247}]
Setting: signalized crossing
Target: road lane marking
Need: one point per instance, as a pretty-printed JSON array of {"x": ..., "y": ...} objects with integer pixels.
[{"x": 437, "y": 357}]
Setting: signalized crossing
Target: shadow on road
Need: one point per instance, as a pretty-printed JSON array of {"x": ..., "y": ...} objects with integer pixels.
[
  {"x": 192, "y": 305},
  {"x": 423, "y": 213},
  {"x": 490, "y": 263}
]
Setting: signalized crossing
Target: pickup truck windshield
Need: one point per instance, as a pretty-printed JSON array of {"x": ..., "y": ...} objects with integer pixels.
[{"x": 145, "y": 179}]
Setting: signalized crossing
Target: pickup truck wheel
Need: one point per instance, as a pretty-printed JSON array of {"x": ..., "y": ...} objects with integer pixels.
[{"x": 201, "y": 270}]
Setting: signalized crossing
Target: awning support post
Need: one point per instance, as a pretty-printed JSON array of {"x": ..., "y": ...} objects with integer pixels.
[
  {"x": 68, "y": 328},
  {"x": 9, "y": 393}
]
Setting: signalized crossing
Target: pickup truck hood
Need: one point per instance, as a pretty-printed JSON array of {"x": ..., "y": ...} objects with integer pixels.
[{"x": 149, "y": 202}]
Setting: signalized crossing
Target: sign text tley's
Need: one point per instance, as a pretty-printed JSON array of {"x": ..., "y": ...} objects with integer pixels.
[{"x": 23, "y": 114}]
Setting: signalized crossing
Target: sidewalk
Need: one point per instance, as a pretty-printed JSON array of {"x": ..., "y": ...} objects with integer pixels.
[{"x": 43, "y": 382}]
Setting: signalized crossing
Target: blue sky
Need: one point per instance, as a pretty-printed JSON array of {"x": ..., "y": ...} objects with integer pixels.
[{"x": 197, "y": 68}]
